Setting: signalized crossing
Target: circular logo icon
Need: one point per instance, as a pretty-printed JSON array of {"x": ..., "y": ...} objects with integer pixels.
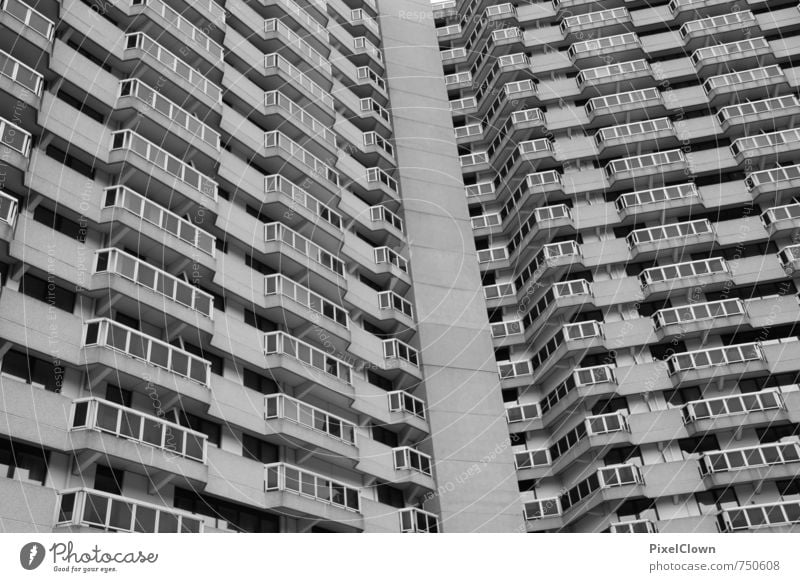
[{"x": 31, "y": 555}]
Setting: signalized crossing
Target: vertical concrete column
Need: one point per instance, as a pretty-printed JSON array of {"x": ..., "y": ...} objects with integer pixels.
[{"x": 477, "y": 485}]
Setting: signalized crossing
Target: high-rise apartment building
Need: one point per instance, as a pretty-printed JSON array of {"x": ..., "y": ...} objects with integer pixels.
[
  {"x": 632, "y": 172},
  {"x": 230, "y": 295}
]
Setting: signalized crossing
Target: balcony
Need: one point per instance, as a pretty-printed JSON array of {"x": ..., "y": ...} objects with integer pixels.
[
  {"x": 387, "y": 256},
  {"x": 789, "y": 258},
  {"x": 745, "y": 85},
  {"x": 505, "y": 329},
  {"x": 306, "y": 124},
  {"x": 660, "y": 240},
  {"x": 32, "y": 24},
  {"x": 94, "y": 414},
  {"x": 573, "y": 337},
  {"x": 509, "y": 370},
  {"x": 623, "y": 138},
  {"x": 636, "y": 105},
  {"x": 283, "y": 407},
  {"x": 686, "y": 8},
  {"x": 20, "y": 75},
  {"x": 697, "y": 318},
  {"x": 523, "y": 412},
  {"x": 773, "y": 185},
  {"x": 723, "y": 27},
  {"x": 139, "y": 41},
  {"x": 405, "y": 403},
  {"x": 778, "y": 146},
  {"x": 710, "y": 273},
  {"x": 766, "y": 515},
  {"x": 376, "y": 177},
  {"x": 655, "y": 201},
  {"x": 100, "y": 510},
  {"x": 293, "y": 78},
  {"x": 363, "y": 46},
  {"x": 742, "y": 53},
  {"x": 307, "y": 163},
  {"x": 453, "y": 56},
  {"x": 634, "y": 73},
  {"x": 281, "y": 288},
  {"x": 393, "y": 301},
  {"x": 486, "y": 221},
  {"x": 495, "y": 294},
  {"x": 549, "y": 261},
  {"x": 748, "y": 462},
  {"x": 600, "y": 22},
  {"x": 127, "y": 142},
  {"x": 455, "y": 81},
  {"x": 715, "y": 411},
  {"x": 449, "y": 32},
  {"x": 8, "y": 214},
  {"x": 317, "y": 64},
  {"x": 285, "y": 478},
  {"x": 637, "y": 526},
  {"x": 486, "y": 257},
  {"x": 561, "y": 300},
  {"x": 168, "y": 288},
  {"x": 413, "y": 520},
  {"x": 375, "y": 109},
  {"x": 595, "y": 51},
  {"x": 781, "y": 218},
  {"x": 105, "y": 333},
  {"x": 373, "y": 140},
  {"x": 407, "y": 458},
  {"x": 16, "y": 144},
  {"x": 605, "y": 479},
  {"x": 542, "y": 508},
  {"x": 717, "y": 362},
  {"x": 313, "y": 362},
  {"x": 465, "y": 106},
  {"x": 669, "y": 165},
  {"x": 532, "y": 459},
  {"x": 763, "y": 115},
  {"x": 401, "y": 357},
  {"x": 584, "y": 386},
  {"x": 287, "y": 239}
]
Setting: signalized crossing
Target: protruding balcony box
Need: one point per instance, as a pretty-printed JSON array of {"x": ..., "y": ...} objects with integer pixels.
[
  {"x": 297, "y": 163},
  {"x": 729, "y": 467},
  {"x": 455, "y": 81},
  {"x": 789, "y": 258},
  {"x": 560, "y": 301},
  {"x": 778, "y": 517},
  {"x": 636, "y": 74},
  {"x": 609, "y": 483},
  {"x": 583, "y": 386},
  {"x": 756, "y": 409},
  {"x": 449, "y": 32},
  {"x": 754, "y": 116},
  {"x": 634, "y": 105},
  {"x": 519, "y": 414},
  {"x": 409, "y": 406},
  {"x": 475, "y": 162},
  {"x": 298, "y": 85},
  {"x": 712, "y": 274},
  {"x": 621, "y": 139},
  {"x": 299, "y": 18},
  {"x": 780, "y": 219},
  {"x": 401, "y": 358},
  {"x": 19, "y": 83},
  {"x": 777, "y": 146},
  {"x": 724, "y": 28},
  {"x": 88, "y": 509},
  {"x": 381, "y": 218},
  {"x": 413, "y": 520},
  {"x": 389, "y": 262},
  {"x": 139, "y": 442},
  {"x": 294, "y": 48},
  {"x": 683, "y": 10},
  {"x": 304, "y": 494},
  {"x": 144, "y": 361},
  {"x": 493, "y": 258},
  {"x": 15, "y": 145},
  {"x": 401, "y": 309},
  {"x": 657, "y": 202},
  {"x": 29, "y": 25},
  {"x": 667, "y": 165},
  {"x": 573, "y": 6},
  {"x": 499, "y": 294},
  {"x": 550, "y": 262},
  {"x": 750, "y": 52},
  {"x": 156, "y": 231},
  {"x": 542, "y": 514},
  {"x": 663, "y": 240},
  {"x": 465, "y": 106},
  {"x": 737, "y": 360},
  {"x": 537, "y": 153},
  {"x": 597, "y": 51},
  {"x": 598, "y": 23},
  {"x": 445, "y": 9},
  {"x": 514, "y": 373},
  {"x": 697, "y": 318},
  {"x": 538, "y": 189},
  {"x": 506, "y": 332},
  {"x": 298, "y": 363},
  {"x": 480, "y": 192},
  {"x": 412, "y": 468},
  {"x": 775, "y": 186},
  {"x": 310, "y": 429},
  {"x": 150, "y": 292},
  {"x": 636, "y": 526},
  {"x": 581, "y": 338},
  {"x": 750, "y": 84},
  {"x": 8, "y": 218},
  {"x": 453, "y": 56}
]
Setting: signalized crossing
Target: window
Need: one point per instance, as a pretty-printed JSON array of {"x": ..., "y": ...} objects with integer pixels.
[
  {"x": 57, "y": 222},
  {"x": 390, "y": 495},
  {"x": 622, "y": 455},
  {"x": 211, "y": 429},
  {"x": 108, "y": 479},
  {"x": 119, "y": 395},
  {"x": 377, "y": 380},
  {"x": 700, "y": 444},
  {"x": 33, "y": 370},
  {"x": 259, "y": 321},
  {"x": 709, "y": 502},
  {"x": 384, "y": 435},
  {"x": 773, "y": 434},
  {"x": 23, "y": 462},
  {"x": 260, "y": 383},
  {"x": 70, "y": 161},
  {"x": 217, "y": 362},
  {"x": 258, "y": 450},
  {"x": 234, "y": 516}
]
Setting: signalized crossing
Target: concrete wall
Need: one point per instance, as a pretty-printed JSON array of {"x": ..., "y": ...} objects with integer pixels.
[{"x": 469, "y": 437}]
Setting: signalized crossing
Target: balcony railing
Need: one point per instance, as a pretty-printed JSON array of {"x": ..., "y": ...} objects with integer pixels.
[
  {"x": 361, "y": 44},
  {"x": 609, "y": 73},
  {"x": 683, "y": 270},
  {"x": 153, "y": 431},
  {"x": 789, "y": 255},
  {"x": 413, "y": 520},
  {"x": 540, "y": 217},
  {"x": 285, "y": 477},
  {"x": 695, "y": 312},
  {"x": 714, "y": 357},
  {"x": 771, "y": 141},
  {"x": 532, "y": 458},
  {"x": 378, "y": 175},
  {"x": 760, "y": 516},
  {"x": 372, "y": 138},
  {"x": 31, "y": 18},
  {"x": 294, "y": 40},
  {"x": 773, "y": 177},
  {"x": 124, "y": 198},
  {"x": 316, "y": 128},
  {"x": 656, "y": 196},
  {"x": 179, "y": 22},
  {"x": 492, "y": 255},
  {"x": 728, "y": 51},
  {"x": 20, "y": 73},
  {"x": 288, "y": 408},
  {"x": 104, "y": 332},
  {"x": 548, "y": 254},
  {"x": 739, "y": 18},
  {"x": 281, "y": 343},
  {"x": 402, "y": 401},
  {"x": 632, "y": 131},
  {"x": 369, "y": 104},
  {"x": 90, "y": 508},
  {"x": 486, "y": 220},
  {"x": 623, "y": 101},
  {"x": 395, "y": 349},
  {"x": 647, "y": 162},
  {"x": 749, "y": 457},
  {"x": 605, "y": 478},
  {"x": 499, "y": 290},
  {"x": 709, "y": 408},
  {"x": 382, "y": 214},
  {"x": 508, "y": 369},
  {"x": 679, "y": 230},
  {"x": 281, "y": 285},
  {"x": 787, "y": 212},
  {"x": 410, "y": 458},
  {"x": 278, "y": 232},
  {"x": 140, "y": 40},
  {"x": 316, "y": 92},
  {"x": 637, "y": 526},
  {"x": 177, "y": 115},
  {"x": 8, "y": 208},
  {"x": 391, "y": 300},
  {"x": 603, "y": 44},
  {"x": 595, "y": 19},
  {"x": 520, "y": 412},
  {"x": 277, "y": 183},
  {"x": 116, "y": 262},
  {"x": 15, "y": 137},
  {"x": 385, "y": 255},
  {"x": 506, "y": 328},
  {"x": 129, "y": 140},
  {"x": 580, "y": 378},
  {"x": 277, "y": 139},
  {"x": 542, "y": 508},
  {"x": 765, "y": 108},
  {"x": 760, "y": 76},
  {"x": 600, "y": 424}
]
